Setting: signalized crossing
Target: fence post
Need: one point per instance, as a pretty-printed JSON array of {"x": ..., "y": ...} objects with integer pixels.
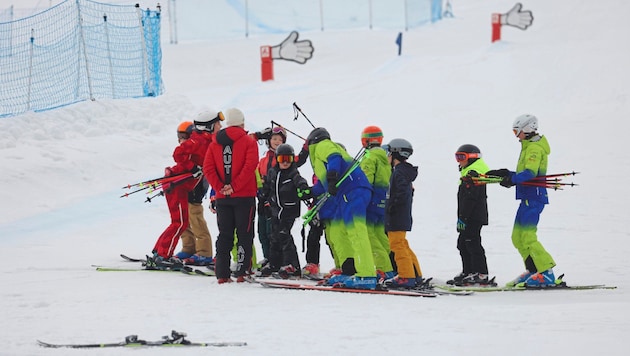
[
  {"x": 246, "y": 19},
  {"x": 145, "y": 64},
  {"x": 172, "y": 21},
  {"x": 87, "y": 62},
  {"x": 321, "y": 14},
  {"x": 370, "y": 8},
  {"x": 109, "y": 55},
  {"x": 406, "y": 16},
  {"x": 11, "y": 32},
  {"x": 30, "y": 71}
]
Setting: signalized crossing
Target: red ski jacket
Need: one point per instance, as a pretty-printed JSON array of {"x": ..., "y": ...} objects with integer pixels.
[
  {"x": 232, "y": 159},
  {"x": 191, "y": 152}
]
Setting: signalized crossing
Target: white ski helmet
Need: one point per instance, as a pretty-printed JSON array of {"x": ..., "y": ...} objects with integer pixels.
[
  {"x": 525, "y": 123},
  {"x": 205, "y": 120}
]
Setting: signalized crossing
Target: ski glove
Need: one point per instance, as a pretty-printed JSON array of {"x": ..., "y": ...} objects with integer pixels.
[
  {"x": 503, "y": 172},
  {"x": 304, "y": 194},
  {"x": 196, "y": 172},
  {"x": 507, "y": 181},
  {"x": 461, "y": 225},
  {"x": 332, "y": 177},
  {"x": 264, "y": 134}
]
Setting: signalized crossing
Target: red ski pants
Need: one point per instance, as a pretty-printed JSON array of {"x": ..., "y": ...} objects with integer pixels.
[{"x": 177, "y": 200}]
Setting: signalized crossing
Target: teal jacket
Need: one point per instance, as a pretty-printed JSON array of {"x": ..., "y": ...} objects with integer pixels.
[{"x": 532, "y": 162}]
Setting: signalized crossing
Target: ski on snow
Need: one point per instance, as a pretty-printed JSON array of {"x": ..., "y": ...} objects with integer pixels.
[
  {"x": 130, "y": 259},
  {"x": 559, "y": 286},
  {"x": 292, "y": 282},
  {"x": 302, "y": 286},
  {"x": 185, "y": 269},
  {"x": 176, "y": 339}
]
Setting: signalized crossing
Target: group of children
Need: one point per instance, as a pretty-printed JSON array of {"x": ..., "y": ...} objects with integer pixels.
[{"x": 363, "y": 205}]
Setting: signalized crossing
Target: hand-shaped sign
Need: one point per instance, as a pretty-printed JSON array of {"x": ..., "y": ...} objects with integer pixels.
[
  {"x": 293, "y": 50},
  {"x": 515, "y": 18},
  {"x": 289, "y": 50}
]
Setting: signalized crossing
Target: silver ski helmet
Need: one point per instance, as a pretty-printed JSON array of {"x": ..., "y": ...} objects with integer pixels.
[
  {"x": 525, "y": 123},
  {"x": 400, "y": 148}
]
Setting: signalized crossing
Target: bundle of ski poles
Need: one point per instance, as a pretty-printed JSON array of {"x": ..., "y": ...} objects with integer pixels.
[
  {"x": 152, "y": 185},
  {"x": 551, "y": 181}
]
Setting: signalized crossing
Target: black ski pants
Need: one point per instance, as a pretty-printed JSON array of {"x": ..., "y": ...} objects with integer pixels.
[{"x": 235, "y": 214}]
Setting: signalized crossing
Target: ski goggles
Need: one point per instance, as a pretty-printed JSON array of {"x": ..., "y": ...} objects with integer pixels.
[
  {"x": 183, "y": 135},
  {"x": 278, "y": 130},
  {"x": 284, "y": 158},
  {"x": 463, "y": 156}
]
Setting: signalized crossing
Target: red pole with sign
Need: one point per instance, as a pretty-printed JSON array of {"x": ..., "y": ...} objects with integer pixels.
[
  {"x": 496, "y": 27},
  {"x": 266, "y": 63}
]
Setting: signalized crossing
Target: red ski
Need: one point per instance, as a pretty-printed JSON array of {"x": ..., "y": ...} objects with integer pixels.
[{"x": 300, "y": 286}]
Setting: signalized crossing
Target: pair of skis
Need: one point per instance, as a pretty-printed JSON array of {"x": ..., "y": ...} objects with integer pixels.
[
  {"x": 176, "y": 339},
  {"x": 424, "y": 291},
  {"x": 560, "y": 285},
  {"x": 185, "y": 269}
]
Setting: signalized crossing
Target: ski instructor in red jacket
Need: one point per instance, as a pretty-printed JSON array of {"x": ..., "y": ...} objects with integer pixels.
[{"x": 229, "y": 166}]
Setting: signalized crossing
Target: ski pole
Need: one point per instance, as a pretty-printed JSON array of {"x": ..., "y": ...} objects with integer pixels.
[
  {"x": 160, "y": 193},
  {"x": 277, "y": 124},
  {"x": 557, "y": 175},
  {"x": 297, "y": 109},
  {"x": 140, "y": 184},
  {"x": 554, "y": 185},
  {"x": 136, "y": 191},
  {"x": 171, "y": 183}
]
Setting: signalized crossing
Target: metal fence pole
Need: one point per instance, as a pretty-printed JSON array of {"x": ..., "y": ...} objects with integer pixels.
[{"x": 82, "y": 44}]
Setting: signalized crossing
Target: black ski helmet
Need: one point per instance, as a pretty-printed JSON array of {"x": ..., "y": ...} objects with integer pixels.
[
  {"x": 400, "y": 148},
  {"x": 317, "y": 135},
  {"x": 285, "y": 149},
  {"x": 467, "y": 152},
  {"x": 468, "y": 148}
]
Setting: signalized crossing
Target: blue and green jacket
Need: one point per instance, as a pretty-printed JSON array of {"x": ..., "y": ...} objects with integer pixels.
[
  {"x": 532, "y": 162},
  {"x": 328, "y": 156}
]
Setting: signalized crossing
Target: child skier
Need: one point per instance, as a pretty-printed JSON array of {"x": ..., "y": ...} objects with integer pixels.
[
  {"x": 196, "y": 239},
  {"x": 189, "y": 157},
  {"x": 398, "y": 218},
  {"x": 378, "y": 172},
  {"x": 273, "y": 137},
  {"x": 283, "y": 190},
  {"x": 344, "y": 211},
  {"x": 472, "y": 214}
]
